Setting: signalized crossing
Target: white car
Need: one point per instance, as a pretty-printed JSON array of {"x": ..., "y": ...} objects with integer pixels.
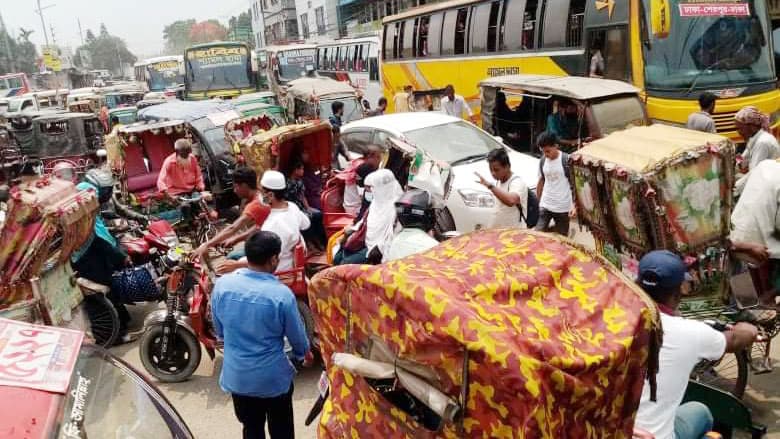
[{"x": 457, "y": 142}]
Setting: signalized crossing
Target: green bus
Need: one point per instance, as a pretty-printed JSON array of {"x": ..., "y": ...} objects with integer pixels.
[{"x": 219, "y": 69}]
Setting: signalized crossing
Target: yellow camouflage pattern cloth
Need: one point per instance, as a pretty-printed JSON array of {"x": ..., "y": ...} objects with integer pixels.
[{"x": 532, "y": 335}]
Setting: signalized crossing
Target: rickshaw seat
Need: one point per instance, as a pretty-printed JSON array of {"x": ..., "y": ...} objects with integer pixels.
[
  {"x": 134, "y": 161},
  {"x": 295, "y": 278},
  {"x": 336, "y": 222},
  {"x": 143, "y": 182},
  {"x": 158, "y": 148}
]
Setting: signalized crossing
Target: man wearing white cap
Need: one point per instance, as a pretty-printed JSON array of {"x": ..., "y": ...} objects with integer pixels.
[{"x": 286, "y": 220}]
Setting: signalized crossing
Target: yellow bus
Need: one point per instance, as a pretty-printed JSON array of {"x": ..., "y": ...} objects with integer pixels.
[{"x": 672, "y": 50}]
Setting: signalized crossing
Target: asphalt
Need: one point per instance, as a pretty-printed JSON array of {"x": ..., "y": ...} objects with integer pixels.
[{"x": 208, "y": 411}]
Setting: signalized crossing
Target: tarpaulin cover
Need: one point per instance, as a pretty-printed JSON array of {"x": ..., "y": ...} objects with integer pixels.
[{"x": 533, "y": 336}]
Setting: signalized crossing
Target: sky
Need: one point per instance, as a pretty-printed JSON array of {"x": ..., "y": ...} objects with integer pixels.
[{"x": 139, "y": 22}]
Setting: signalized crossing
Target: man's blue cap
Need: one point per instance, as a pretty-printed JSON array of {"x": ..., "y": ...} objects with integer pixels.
[{"x": 661, "y": 269}]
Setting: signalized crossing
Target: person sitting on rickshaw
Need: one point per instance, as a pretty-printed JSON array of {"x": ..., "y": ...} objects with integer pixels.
[
  {"x": 180, "y": 173},
  {"x": 352, "y": 197},
  {"x": 285, "y": 219},
  {"x": 296, "y": 192},
  {"x": 312, "y": 182},
  {"x": 565, "y": 124},
  {"x": 686, "y": 342},
  {"x": 252, "y": 217},
  {"x": 369, "y": 240}
]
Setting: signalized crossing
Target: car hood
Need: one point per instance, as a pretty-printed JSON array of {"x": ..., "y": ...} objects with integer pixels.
[{"x": 524, "y": 165}]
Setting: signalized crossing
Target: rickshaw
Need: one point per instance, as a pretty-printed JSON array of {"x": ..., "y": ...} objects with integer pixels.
[
  {"x": 86, "y": 103},
  {"x": 126, "y": 116},
  {"x": 125, "y": 98},
  {"x": 310, "y": 99},
  {"x": 604, "y": 106},
  {"x": 11, "y": 157},
  {"x": 263, "y": 102},
  {"x": 239, "y": 129},
  {"x": 73, "y": 389},
  {"x": 54, "y": 137},
  {"x": 663, "y": 187},
  {"x": 498, "y": 333},
  {"x": 46, "y": 221}
]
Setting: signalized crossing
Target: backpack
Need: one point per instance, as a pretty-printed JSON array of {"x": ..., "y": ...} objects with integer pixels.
[
  {"x": 566, "y": 166},
  {"x": 532, "y": 217}
]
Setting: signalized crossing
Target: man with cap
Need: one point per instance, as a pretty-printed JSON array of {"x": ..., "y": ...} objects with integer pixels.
[
  {"x": 685, "y": 343},
  {"x": 286, "y": 220},
  {"x": 180, "y": 172},
  {"x": 753, "y": 126}
]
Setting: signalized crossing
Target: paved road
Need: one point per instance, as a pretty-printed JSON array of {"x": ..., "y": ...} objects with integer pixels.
[{"x": 209, "y": 412}]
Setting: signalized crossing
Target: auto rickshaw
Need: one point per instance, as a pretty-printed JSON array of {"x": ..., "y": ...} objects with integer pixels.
[
  {"x": 663, "y": 187},
  {"x": 73, "y": 389},
  {"x": 86, "y": 103},
  {"x": 517, "y": 107},
  {"x": 125, "y": 98},
  {"x": 11, "y": 158},
  {"x": 311, "y": 99},
  {"x": 54, "y": 137},
  {"x": 498, "y": 333},
  {"x": 126, "y": 116},
  {"x": 263, "y": 102},
  {"x": 46, "y": 221}
]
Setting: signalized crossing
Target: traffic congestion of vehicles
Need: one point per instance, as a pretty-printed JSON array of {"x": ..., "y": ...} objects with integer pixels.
[{"x": 404, "y": 211}]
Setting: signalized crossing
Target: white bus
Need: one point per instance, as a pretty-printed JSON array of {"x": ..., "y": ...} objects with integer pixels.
[
  {"x": 355, "y": 60},
  {"x": 160, "y": 73},
  {"x": 278, "y": 65}
]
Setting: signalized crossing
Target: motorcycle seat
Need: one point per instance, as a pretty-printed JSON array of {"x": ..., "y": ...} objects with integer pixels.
[{"x": 92, "y": 287}]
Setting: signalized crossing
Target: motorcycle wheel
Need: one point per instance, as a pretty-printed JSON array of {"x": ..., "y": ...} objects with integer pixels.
[
  {"x": 103, "y": 319},
  {"x": 308, "y": 323},
  {"x": 186, "y": 355},
  {"x": 729, "y": 374}
]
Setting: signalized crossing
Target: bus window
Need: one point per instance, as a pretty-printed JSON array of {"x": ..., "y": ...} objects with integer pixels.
[
  {"x": 422, "y": 36},
  {"x": 492, "y": 33},
  {"x": 397, "y": 39},
  {"x": 556, "y": 14},
  {"x": 460, "y": 31},
  {"x": 434, "y": 34},
  {"x": 364, "y": 57},
  {"x": 321, "y": 56},
  {"x": 511, "y": 36},
  {"x": 529, "y": 25},
  {"x": 343, "y": 58},
  {"x": 351, "y": 59},
  {"x": 576, "y": 21},
  {"x": 479, "y": 25},
  {"x": 614, "y": 51},
  {"x": 388, "y": 36},
  {"x": 448, "y": 33},
  {"x": 408, "y": 39}
]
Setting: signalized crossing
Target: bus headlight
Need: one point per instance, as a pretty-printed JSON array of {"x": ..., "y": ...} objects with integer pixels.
[{"x": 472, "y": 198}]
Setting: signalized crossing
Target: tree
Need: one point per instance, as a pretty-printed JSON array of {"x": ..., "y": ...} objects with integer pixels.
[
  {"x": 240, "y": 28},
  {"x": 177, "y": 36},
  {"x": 106, "y": 51},
  {"x": 207, "y": 31},
  {"x": 17, "y": 55}
]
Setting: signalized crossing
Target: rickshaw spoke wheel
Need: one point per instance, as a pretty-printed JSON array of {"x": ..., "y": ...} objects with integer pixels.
[
  {"x": 103, "y": 319},
  {"x": 729, "y": 374}
]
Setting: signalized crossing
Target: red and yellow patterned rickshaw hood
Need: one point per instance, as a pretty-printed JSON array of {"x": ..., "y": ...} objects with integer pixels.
[{"x": 531, "y": 335}]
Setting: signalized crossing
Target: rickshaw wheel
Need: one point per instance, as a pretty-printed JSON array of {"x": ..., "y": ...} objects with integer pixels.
[
  {"x": 729, "y": 374},
  {"x": 103, "y": 319},
  {"x": 308, "y": 323},
  {"x": 185, "y": 358}
]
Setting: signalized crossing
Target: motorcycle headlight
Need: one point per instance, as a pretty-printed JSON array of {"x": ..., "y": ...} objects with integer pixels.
[{"x": 472, "y": 198}]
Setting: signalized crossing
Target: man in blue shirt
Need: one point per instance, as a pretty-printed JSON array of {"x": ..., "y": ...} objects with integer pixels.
[
  {"x": 565, "y": 124},
  {"x": 253, "y": 313}
]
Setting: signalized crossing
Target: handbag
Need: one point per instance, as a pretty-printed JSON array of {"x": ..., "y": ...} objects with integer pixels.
[{"x": 135, "y": 284}]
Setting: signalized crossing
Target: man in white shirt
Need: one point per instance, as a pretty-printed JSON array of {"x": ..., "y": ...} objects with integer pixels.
[
  {"x": 286, "y": 220},
  {"x": 454, "y": 105},
  {"x": 685, "y": 343},
  {"x": 554, "y": 187},
  {"x": 509, "y": 189},
  {"x": 753, "y": 126}
]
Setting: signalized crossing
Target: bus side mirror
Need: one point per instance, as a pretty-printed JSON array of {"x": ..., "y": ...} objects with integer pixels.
[{"x": 660, "y": 18}]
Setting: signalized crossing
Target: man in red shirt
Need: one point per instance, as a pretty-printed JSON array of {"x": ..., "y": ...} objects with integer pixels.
[
  {"x": 180, "y": 173},
  {"x": 252, "y": 217}
]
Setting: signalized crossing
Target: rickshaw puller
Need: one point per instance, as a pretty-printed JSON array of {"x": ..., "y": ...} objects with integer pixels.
[{"x": 180, "y": 173}]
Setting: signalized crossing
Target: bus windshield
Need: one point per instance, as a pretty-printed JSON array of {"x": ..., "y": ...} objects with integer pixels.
[
  {"x": 703, "y": 51},
  {"x": 163, "y": 75},
  {"x": 218, "y": 68},
  {"x": 294, "y": 63}
]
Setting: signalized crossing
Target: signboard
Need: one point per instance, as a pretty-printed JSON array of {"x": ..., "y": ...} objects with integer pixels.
[
  {"x": 51, "y": 58},
  {"x": 218, "y": 56},
  {"x": 37, "y": 357},
  {"x": 165, "y": 66},
  {"x": 714, "y": 9},
  {"x": 300, "y": 57}
]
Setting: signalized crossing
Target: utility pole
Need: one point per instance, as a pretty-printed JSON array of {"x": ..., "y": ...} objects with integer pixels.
[
  {"x": 39, "y": 11},
  {"x": 53, "y": 39},
  {"x": 81, "y": 34}
]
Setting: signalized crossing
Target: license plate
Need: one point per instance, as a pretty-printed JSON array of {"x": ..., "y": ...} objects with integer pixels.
[{"x": 323, "y": 385}]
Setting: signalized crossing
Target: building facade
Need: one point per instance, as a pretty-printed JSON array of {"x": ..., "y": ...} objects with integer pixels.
[
  {"x": 274, "y": 21},
  {"x": 317, "y": 19}
]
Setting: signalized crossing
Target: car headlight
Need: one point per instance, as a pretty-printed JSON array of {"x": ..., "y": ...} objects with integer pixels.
[{"x": 472, "y": 198}]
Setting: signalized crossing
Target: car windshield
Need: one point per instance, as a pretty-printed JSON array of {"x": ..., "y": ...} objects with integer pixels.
[
  {"x": 15, "y": 105},
  {"x": 453, "y": 142},
  {"x": 618, "y": 114},
  {"x": 108, "y": 399},
  {"x": 211, "y": 69},
  {"x": 703, "y": 51}
]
